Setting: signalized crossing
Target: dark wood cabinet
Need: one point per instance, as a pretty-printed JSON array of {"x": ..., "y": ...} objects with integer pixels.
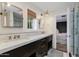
[
  {"x": 42, "y": 48},
  {"x": 35, "y": 49}
]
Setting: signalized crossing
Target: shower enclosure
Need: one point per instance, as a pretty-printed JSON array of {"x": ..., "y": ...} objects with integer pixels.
[
  {"x": 73, "y": 30},
  {"x": 76, "y": 31}
]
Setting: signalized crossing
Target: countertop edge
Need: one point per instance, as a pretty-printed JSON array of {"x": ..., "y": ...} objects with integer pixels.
[{"x": 8, "y": 47}]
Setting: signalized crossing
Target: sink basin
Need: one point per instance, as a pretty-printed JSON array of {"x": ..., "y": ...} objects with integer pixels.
[
  {"x": 7, "y": 40},
  {"x": 3, "y": 41},
  {"x": 35, "y": 34}
]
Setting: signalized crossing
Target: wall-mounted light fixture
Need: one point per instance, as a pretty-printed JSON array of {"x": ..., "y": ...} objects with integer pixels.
[
  {"x": 45, "y": 13},
  {"x": 8, "y": 4}
]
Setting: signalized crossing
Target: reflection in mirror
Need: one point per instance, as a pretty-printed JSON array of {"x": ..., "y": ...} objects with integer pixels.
[
  {"x": 33, "y": 22},
  {"x": 31, "y": 15},
  {"x": 12, "y": 16}
]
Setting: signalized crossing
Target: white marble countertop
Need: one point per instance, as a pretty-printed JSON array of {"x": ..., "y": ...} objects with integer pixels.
[{"x": 12, "y": 44}]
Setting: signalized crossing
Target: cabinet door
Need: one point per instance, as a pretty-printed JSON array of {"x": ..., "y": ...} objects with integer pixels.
[{"x": 42, "y": 48}]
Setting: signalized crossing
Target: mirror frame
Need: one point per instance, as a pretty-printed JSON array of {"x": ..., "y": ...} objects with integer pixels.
[{"x": 4, "y": 4}]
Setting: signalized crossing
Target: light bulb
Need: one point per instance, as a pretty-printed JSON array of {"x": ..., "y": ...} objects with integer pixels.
[{"x": 8, "y": 4}]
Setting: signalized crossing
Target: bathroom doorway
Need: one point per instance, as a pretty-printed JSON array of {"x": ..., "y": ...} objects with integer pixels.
[{"x": 61, "y": 34}]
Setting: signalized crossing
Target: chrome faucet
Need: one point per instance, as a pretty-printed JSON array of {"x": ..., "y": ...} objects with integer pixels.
[{"x": 16, "y": 36}]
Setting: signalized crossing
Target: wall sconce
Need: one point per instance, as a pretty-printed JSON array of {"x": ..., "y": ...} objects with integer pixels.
[
  {"x": 46, "y": 13},
  {"x": 8, "y": 4}
]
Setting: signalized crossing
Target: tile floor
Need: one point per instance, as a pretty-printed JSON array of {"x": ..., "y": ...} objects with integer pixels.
[{"x": 54, "y": 53}]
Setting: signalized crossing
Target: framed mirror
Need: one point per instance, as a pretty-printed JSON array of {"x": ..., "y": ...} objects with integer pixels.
[{"x": 12, "y": 16}]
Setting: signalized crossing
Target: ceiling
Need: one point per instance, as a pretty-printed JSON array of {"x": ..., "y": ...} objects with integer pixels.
[{"x": 53, "y": 6}]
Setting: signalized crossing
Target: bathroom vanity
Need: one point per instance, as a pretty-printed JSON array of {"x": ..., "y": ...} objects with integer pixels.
[{"x": 36, "y": 46}]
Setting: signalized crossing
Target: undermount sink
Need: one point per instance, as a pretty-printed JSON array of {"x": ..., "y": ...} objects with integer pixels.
[
  {"x": 9, "y": 40},
  {"x": 35, "y": 34},
  {"x": 4, "y": 41}
]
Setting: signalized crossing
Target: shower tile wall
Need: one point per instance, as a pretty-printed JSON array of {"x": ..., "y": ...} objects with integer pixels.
[{"x": 61, "y": 38}]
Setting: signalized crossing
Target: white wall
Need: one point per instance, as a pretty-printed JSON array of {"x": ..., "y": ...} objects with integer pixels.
[
  {"x": 50, "y": 27},
  {"x": 24, "y": 7}
]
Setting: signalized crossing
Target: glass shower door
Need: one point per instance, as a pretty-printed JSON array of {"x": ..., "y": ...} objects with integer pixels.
[
  {"x": 76, "y": 31},
  {"x": 73, "y": 30},
  {"x": 70, "y": 30}
]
